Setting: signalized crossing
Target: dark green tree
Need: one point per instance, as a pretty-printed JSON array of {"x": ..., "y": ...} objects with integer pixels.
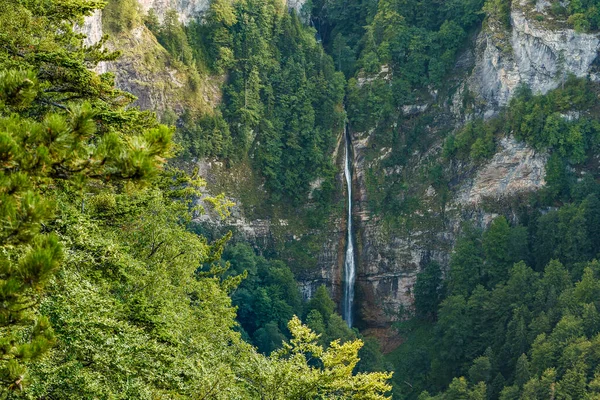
[
  {"x": 60, "y": 125},
  {"x": 321, "y": 302},
  {"x": 428, "y": 291}
]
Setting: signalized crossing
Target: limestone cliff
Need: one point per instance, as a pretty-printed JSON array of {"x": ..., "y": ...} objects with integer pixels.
[
  {"x": 186, "y": 9},
  {"x": 148, "y": 71},
  {"x": 537, "y": 51},
  {"x": 271, "y": 232}
]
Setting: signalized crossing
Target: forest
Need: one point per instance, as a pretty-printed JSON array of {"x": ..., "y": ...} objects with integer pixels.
[
  {"x": 110, "y": 288},
  {"x": 105, "y": 291}
]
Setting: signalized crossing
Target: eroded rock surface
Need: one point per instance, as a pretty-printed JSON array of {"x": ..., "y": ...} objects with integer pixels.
[
  {"x": 187, "y": 10},
  {"x": 514, "y": 169},
  {"x": 530, "y": 53}
]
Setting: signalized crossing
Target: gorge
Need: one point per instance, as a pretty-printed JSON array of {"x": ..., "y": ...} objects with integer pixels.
[
  {"x": 391, "y": 259},
  {"x": 418, "y": 175}
]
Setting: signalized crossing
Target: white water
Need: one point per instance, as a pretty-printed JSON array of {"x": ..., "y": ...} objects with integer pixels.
[{"x": 349, "y": 266}]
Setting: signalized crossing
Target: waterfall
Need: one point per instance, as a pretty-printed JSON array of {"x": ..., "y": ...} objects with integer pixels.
[{"x": 349, "y": 265}]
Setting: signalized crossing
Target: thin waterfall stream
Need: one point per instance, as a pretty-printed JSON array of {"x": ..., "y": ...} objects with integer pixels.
[{"x": 349, "y": 264}]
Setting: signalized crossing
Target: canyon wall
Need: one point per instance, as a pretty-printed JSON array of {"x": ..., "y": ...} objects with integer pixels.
[{"x": 536, "y": 51}]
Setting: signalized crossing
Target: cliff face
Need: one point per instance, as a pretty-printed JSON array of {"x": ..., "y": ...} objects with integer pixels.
[
  {"x": 186, "y": 9},
  {"x": 296, "y": 5},
  {"x": 147, "y": 70},
  {"x": 532, "y": 52},
  {"x": 275, "y": 231},
  {"x": 536, "y": 51}
]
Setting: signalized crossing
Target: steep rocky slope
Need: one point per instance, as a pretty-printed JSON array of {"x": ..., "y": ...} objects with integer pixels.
[
  {"x": 186, "y": 9},
  {"x": 537, "y": 51},
  {"x": 147, "y": 70}
]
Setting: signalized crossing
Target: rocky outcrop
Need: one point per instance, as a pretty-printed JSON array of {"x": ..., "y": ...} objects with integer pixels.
[
  {"x": 296, "y": 5},
  {"x": 514, "y": 169},
  {"x": 188, "y": 10},
  {"x": 531, "y": 52},
  {"x": 146, "y": 69},
  {"x": 92, "y": 28},
  {"x": 269, "y": 233},
  {"x": 390, "y": 259},
  {"x": 535, "y": 51}
]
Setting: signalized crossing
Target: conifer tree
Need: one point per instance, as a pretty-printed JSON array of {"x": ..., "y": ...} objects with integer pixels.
[{"x": 61, "y": 126}]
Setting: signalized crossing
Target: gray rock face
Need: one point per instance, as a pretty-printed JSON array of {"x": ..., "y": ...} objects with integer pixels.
[
  {"x": 92, "y": 28},
  {"x": 389, "y": 260},
  {"x": 515, "y": 169},
  {"x": 296, "y": 5},
  {"x": 268, "y": 233},
  {"x": 145, "y": 69},
  {"x": 157, "y": 85},
  {"x": 187, "y": 9},
  {"x": 531, "y": 54}
]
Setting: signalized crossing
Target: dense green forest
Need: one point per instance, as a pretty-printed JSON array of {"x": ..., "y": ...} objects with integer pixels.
[
  {"x": 515, "y": 316},
  {"x": 282, "y": 100},
  {"x": 109, "y": 289},
  {"x": 105, "y": 292}
]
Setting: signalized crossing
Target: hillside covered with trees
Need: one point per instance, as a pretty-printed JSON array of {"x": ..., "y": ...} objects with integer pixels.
[
  {"x": 113, "y": 286},
  {"x": 105, "y": 292}
]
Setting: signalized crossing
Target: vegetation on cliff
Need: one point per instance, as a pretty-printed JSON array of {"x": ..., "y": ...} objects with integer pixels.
[
  {"x": 282, "y": 101},
  {"x": 512, "y": 317},
  {"x": 516, "y": 317},
  {"x": 105, "y": 292},
  {"x": 109, "y": 291}
]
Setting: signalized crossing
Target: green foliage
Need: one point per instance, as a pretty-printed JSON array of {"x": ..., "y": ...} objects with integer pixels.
[
  {"x": 475, "y": 141},
  {"x": 95, "y": 255},
  {"x": 282, "y": 103},
  {"x": 583, "y": 16},
  {"x": 404, "y": 51},
  {"x": 283, "y": 93},
  {"x": 205, "y": 135},
  {"x": 540, "y": 120},
  {"x": 269, "y": 297},
  {"x": 558, "y": 121},
  {"x": 334, "y": 380},
  {"x": 121, "y": 16},
  {"x": 266, "y": 300},
  {"x": 171, "y": 35},
  {"x": 322, "y": 303},
  {"x": 498, "y": 10},
  {"x": 61, "y": 125},
  {"x": 518, "y": 332},
  {"x": 419, "y": 48},
  {"x": 428, "y": 291},
  {"x": 561, "y": 122}
]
